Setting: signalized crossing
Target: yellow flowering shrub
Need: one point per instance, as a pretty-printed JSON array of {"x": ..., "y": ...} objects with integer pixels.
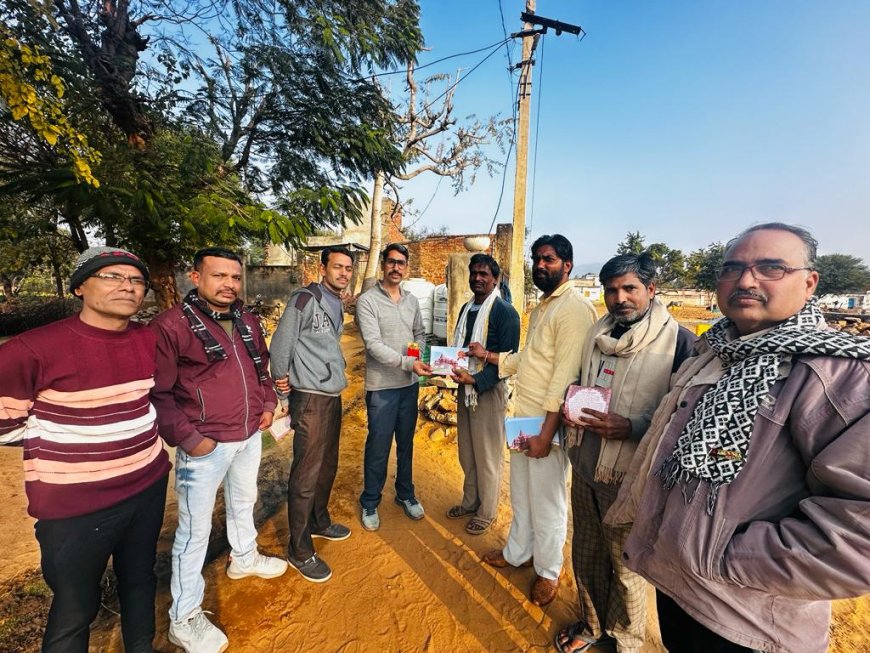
[{"x": 32, "y": 92}]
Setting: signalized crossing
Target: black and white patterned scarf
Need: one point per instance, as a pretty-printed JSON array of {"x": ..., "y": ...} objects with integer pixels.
[
  {"x": 213, "y": 349},
  {"x": 715, "y": 441}
]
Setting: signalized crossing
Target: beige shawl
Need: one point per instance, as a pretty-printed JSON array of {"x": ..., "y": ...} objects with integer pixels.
[{"x": 641, "y": 361}]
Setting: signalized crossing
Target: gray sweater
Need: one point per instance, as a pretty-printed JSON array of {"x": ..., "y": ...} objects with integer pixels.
[
  {"x": 306, "y": 344},
  {"x": 387, "y": 328}
]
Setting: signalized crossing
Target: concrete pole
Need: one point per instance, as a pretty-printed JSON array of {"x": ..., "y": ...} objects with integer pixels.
[
  {"x": 518, "y": 243},
  {"x": 458, "y": 291}
]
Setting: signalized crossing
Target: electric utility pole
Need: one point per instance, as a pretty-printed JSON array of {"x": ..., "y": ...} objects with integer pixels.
[
  {"x": 530, "y": 37},
  {"x": 517, "y": 280}
]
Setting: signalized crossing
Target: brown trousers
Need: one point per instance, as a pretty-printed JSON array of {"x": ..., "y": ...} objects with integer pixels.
[
  {"x": 316, "y": 420},
  {"x": 481, "y": 438},
  {"x": 612, "y": 597}
]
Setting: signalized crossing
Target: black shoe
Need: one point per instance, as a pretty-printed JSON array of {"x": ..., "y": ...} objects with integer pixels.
[
  {"x": 313, "y": 569},
  {"x": 334, "y": 532}
]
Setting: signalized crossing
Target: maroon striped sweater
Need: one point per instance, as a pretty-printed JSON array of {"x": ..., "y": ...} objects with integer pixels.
[{"x": 77, "y": 397}]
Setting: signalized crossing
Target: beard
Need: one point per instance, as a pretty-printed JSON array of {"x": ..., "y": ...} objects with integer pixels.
[{"x": 545, "y": 281}]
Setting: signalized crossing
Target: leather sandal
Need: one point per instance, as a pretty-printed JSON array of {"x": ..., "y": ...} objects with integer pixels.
[
  {"x": 571, "y": 635},
  {"x": 478, "y": 526},
  {"x": 495, "y": 558},
  {"x": 458, "y": 512},
  {"x": 544, "y": 591}
]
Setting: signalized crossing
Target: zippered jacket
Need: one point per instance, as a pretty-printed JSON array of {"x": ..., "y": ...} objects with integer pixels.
[
  {"x": 789, "y": 534},
  {"x": 194, "y": 397},
  {"x": 306, "y": 345}
]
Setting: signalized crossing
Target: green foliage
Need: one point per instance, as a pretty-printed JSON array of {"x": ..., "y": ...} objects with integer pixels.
[
  {"x": 276, "y": 141},
  {"x": 703, "y": 265},
  {"x": 33, "y": 312},
  {"x": 633, "y": 244},
  {"x": 842, "y": 273}
]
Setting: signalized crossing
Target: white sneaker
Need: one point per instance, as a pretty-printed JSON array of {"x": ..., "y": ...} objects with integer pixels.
[
  {"x": 260, "y": 565},
  {"x": 197, "y": 634}
]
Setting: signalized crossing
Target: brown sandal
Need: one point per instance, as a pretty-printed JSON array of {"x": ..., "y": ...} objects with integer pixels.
[
  {"x": 544, "y": 591},
  {"x": 478, "y": 526},
  {"x": 458, "y": 512}
]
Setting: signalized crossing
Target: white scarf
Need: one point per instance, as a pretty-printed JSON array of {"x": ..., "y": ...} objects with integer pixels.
[{"x": 478, "y": 334}]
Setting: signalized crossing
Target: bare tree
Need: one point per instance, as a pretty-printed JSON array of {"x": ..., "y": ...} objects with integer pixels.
[{"x": 432, "y": 140}]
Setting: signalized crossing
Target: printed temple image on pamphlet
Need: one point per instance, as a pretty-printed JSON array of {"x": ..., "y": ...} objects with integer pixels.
[
  {"x": 519, "y": 429},
  {"x": 578, "y": 397},
  {"x": 444, "y": 359}
]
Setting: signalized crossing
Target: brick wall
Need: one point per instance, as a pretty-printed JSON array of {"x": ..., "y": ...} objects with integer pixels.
[{"x": 429, "y": 256}]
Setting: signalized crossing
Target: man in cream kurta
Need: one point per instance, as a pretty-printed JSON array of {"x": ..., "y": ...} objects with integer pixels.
[{"x": 544, "y": 368}]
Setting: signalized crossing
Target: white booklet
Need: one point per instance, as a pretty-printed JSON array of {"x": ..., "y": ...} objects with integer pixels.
[{"x": 281, "y": 427}]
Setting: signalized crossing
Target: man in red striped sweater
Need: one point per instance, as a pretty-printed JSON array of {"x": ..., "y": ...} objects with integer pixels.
[{"x": 75, "y": 393}]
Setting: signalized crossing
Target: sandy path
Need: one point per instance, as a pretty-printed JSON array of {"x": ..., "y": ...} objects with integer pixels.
[{"x": 409, "y": 587}]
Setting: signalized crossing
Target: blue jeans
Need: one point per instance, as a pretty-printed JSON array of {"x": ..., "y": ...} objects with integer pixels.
[
  {"x": 390, "y": 412},
  {"x": 196, "y": 483}
]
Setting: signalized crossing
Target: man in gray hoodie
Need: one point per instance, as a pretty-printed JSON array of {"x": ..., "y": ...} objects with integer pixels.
[
  {"x": 307, "y": 363},
  {"x": 389, "y": 320}
]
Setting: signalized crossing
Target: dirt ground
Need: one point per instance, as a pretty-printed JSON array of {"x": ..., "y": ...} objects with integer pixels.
[{"x": 408, "y": 587}]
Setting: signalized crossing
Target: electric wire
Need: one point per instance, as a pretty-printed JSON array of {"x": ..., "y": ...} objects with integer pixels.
[
  {"x": 432, "y": 63},
  {"x": 505, "y": 165}
]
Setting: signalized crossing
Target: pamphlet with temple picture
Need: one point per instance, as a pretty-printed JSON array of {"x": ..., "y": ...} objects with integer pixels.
[
  {"x": 519, "y": 429},
  {"x": 578, "y": 397},
  {"x": 442, "y": 360}
]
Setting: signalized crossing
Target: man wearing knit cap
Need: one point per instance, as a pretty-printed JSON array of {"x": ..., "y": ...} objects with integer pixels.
[
  {"x": 213, "y": 395},
  {"x": 75, "y": 394}
]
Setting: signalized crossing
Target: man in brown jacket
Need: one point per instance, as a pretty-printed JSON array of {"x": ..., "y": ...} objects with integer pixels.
[{"x": 751, "y": 492}]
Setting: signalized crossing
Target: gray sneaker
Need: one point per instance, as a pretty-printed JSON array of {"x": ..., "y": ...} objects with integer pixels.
[
  {"x": 313, "y": 569},
  {"x": 196, "y": 634},
  {"x": 413, "y": 509},
  {"x": 370, "y": 519},
  {"x": 334, "y": 532}
]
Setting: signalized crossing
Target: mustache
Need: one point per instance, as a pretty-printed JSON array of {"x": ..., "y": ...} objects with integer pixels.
[
  {"x": 751, "y": 294},
  {"x": 619, "y": 307}
]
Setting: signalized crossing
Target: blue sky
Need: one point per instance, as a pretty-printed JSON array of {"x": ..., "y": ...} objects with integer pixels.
[{"x": 686, "y": 121}]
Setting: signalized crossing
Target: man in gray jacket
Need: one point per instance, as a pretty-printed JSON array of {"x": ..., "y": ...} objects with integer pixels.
[
  {"x": 751, "y": 488},
  {"x": 389, "y": 320},
  {"x": 307, "y": 362}
]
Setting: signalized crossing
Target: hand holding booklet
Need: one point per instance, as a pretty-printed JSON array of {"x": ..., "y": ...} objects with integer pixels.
[
  {"x": 444, "y": 359},
  {"x": 578, "y": 397},
  {"x": 519, "y": 429}
]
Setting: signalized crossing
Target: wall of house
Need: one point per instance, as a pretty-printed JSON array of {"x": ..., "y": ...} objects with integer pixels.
[{"x": 429, "y": 256}]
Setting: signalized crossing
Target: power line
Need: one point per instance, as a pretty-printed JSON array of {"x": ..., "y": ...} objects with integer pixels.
[
  {"x": 432, "y": 63},
  {"x": 463, "y": 77},
  {"x": 506, "y": 161},
  {"x": 508, "y": 49},
  {"x": 494, "y": 47}
]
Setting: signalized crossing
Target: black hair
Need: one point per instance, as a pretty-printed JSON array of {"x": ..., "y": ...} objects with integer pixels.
[
  {"x": 485, "y": 259},
  {"x": 395, "y": 247},
  {"x": 641, "y": 265},
  {"x": 219, "y": 252},
  {"x": 559, "y": 243},
  {"x": 335, "y": 249},
  {"x": 810, "y": 244}
]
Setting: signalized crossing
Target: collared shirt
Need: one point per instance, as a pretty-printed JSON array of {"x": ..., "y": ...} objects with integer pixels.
[{"x": 552, "y": 355}]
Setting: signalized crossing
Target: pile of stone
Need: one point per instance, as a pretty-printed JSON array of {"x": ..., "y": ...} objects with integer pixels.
[
  {"x": 857, "y": 325},
  {"x": 437, "y": 406}
]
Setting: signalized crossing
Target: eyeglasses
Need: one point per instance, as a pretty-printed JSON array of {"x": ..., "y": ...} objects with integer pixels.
[
  {"x": 759, "y": 271},
  {"x": 396, "y": 262},
  {"x": 117, "y": 280}
]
